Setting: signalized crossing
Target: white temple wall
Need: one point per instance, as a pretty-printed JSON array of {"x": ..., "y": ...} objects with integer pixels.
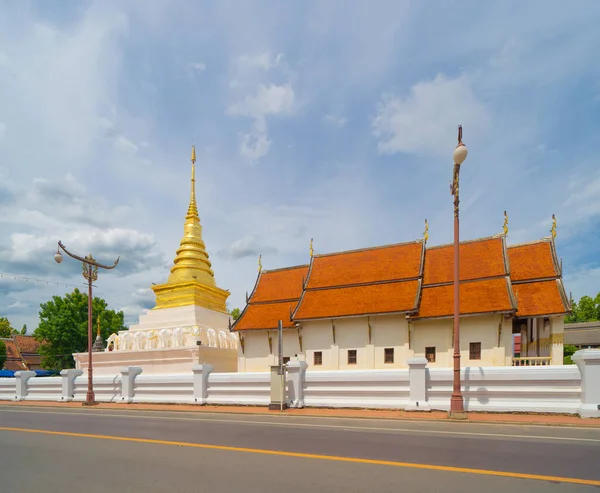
[{"x": 483, "y": 329}]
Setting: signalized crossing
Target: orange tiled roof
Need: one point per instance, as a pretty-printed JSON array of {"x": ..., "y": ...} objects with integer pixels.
[
  {"x": 266, "y": 315},
  {"x": 274, "y": 297},
  {"x": 478, "y": 259},
  {"x": 280, "y": 284},
  {"x": 13, "y": 356},
  {"x": 391, "y": 297},
  {"x": 532, "y": 261},
  {"x": 27, "y": 344},
  {"x": 539, "y": 298},
  {"x": 387, "y": 263},
  {"x": 486, "y": 296}
]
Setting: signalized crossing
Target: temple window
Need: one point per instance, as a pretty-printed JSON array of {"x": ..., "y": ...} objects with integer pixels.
[
  {"x": 474, "y": 350},
  {"x": 351, "y": 356},
  {"x": 388, "y": 355},
  {"x": 430, "y": 354},
  {"x": 318, "y": 358},
  {"x": 286, "y": 360}
]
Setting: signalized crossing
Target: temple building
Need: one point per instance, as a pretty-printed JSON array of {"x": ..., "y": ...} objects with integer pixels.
[
  {"x": 377, "y": 307},
  {"x": 190, "y": 321}
]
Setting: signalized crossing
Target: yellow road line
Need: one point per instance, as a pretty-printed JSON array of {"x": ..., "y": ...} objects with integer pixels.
[
  {"x": 484, "y": 472},
  {"x": 130, "y": 415}
]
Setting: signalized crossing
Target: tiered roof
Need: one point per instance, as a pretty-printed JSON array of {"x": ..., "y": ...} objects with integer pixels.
[
  {"x": 274, "y": 298},
  {"x": 484, "y": 279},
  {"x": 410, "y": 279},
  {"x": 537, "y": 279}
]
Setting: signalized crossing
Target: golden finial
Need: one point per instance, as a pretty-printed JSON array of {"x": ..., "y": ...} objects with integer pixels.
[
  {"x": 193, "y": 209},
  {"x": 312, "y": 250},
  {"x": 259, "y": 263},
  {"x": 193, "y": 154},
  {"x": 98, "y": 325},
  {"x": 426, "y": 232},
  {"x": 505, "y": 225},
  {"x": 553, "y": 230}
]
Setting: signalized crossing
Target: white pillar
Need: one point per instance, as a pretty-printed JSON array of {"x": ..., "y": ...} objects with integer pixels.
[
  {"x": 296, "y": 375},
  {"x": 201, "y": 373},
  {"x": 128, "y": 375},
  {"x": 417, "y": 376},
  {"x": 22, "y": 383},
  {"x": 68, "y": 384},
  {"x": 557, "y": 330},
  {"x": 588, "y": 362}
]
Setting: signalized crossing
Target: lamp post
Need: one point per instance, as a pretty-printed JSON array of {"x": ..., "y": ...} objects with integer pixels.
[
  {"x": 90, "y": 274},
  {"x": 457, "y": 410}
]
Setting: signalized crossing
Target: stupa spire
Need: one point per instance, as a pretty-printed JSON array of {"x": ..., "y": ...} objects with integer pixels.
[{"x": 191, "y": 262}]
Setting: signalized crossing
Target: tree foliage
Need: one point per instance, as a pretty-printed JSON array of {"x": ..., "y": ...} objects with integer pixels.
[
  {"x": 2, "y": 354},
  {"x": 6, "y": 330},
  {"x": 63, "y": 328},
  {"x": 568, "y": 351},
  {"x": 587, "y": 309},
  {"x": 235, "y": 313}
]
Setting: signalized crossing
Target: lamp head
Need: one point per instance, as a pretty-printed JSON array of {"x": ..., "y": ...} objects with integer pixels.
[
  {"x": 460, "y": 153},
  {"x": 58, "y": 258}
]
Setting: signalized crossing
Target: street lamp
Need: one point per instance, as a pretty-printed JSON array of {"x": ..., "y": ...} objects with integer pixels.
[
  {"x": 457, "y": 410},
  {"x": 90, "y": 274}
]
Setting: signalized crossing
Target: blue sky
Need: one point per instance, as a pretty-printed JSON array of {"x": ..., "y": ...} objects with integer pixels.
[{"x": 323, "y": 119}]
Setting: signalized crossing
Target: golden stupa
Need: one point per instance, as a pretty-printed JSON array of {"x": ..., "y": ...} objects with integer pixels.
[{"x": 192, "y": 281}]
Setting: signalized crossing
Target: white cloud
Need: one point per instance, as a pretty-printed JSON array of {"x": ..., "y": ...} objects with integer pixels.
[
  {"x": 255, "y": 145},
  {"x": 338, "y": 121},
  {"x": 248, "y": 246},
  {"x": 258, "y": 99},
  {"x": 195, "y": 67},
  {"x": 125, "y": 146},
  {"x": 425, "y": 121}
]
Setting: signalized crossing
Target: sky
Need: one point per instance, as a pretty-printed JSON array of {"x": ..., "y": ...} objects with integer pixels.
[{"x": 330, "y": 120}]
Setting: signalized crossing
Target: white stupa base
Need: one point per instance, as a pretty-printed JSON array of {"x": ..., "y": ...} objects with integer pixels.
[
  {"x": 160, "y": 361},
  {"x": 183, "y": 316}
]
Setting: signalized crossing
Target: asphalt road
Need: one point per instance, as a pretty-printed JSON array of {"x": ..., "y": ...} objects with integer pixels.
[{"x": 92, "y": 450}]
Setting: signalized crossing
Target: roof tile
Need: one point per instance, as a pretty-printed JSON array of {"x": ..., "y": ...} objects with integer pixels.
[
  {"x": 266, "y": 315},
  {"x": 281, "y": 284},
  {"x": 390, "y": 297},
  {"x": 539, "y": 298},
  {"x": 486, "y": 296},
  {"x": 531, "y": 261},
  {"x": 387, "y": 263},
  {"x": 478, "y": 259}
]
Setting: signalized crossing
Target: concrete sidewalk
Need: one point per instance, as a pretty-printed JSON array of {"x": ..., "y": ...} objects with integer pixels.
[{"x": 473, "y": 417}]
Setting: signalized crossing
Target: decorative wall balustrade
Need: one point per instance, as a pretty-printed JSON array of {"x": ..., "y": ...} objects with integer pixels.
[
  {"x": 171, "y": 338},
  {"x": 573, "y": 389}
]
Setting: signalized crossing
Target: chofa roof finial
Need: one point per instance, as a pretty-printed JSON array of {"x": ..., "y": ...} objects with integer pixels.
[
  {"x": 426, "y": 232},
  {"x": 505, "y": 225},
  {"x": 259, "y": 263},
  {"x": 311, "y": 250},
  {"x": 553, "y": 230}
]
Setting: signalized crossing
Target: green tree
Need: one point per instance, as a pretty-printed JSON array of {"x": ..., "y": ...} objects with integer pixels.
[
  {"x": 24, "y": 329},
  {"x": 235, "y": 313},
  {"x": 2, "y": 354},
  {"x": 587, "y": 309},
  {"x": 568, "y": 351},
  {"x": 6, "y": 330},
  {"x": 63, "y": 327}
]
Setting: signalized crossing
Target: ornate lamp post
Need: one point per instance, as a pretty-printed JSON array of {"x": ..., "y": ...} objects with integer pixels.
[
  {"x": 457, "y": 410},
  {"x": 90, "y": 274}
]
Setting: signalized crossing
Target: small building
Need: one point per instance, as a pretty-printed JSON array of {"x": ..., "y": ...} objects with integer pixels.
[
  {"x": 583, "y": 335},
  {"x": 377, "y": 307},
  {"x": 22, "y": 353}
]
